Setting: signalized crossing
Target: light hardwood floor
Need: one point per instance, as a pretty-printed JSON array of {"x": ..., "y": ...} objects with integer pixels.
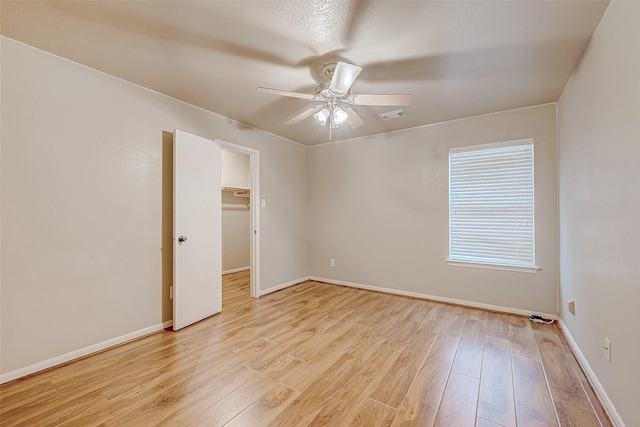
[{"x": 320, "y": 355}]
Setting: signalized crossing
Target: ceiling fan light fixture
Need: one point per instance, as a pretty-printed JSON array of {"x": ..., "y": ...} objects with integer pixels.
[
  {"x": 322, "y": 116},
  {"x": 340, "y": 116}
]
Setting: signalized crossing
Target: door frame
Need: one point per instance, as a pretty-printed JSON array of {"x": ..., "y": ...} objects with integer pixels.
[{"x": 254, "y": 211}]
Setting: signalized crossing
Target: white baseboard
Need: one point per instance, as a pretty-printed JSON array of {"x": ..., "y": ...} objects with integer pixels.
[
  {"x": 45, "y": 364},
  {"x": 436, "y": 298},
  {"x": 235, "y": 270},
  {"x": 591, "y": 376},
  {"x": 282, "y": 286}
]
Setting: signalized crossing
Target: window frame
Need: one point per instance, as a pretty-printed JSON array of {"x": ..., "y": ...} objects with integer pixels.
[{"x": 533, "y": 268}]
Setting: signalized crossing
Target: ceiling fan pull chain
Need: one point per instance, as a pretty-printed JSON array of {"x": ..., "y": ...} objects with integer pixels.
[{"x": 330, "y": 127}]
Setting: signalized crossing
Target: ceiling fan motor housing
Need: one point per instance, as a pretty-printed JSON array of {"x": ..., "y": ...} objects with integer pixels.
[{"x": 328, "y": 70}]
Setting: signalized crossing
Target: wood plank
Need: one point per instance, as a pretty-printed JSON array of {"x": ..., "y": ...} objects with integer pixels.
[
  {"x": 322, "y": 353},
  {"x": 267, "y": 407},
  {"x": 86, "y": 373},
  {"x": 56, "y": 411},
  {"x": 523, "y": 342},
  {"x": 179, "y": 403},
  {"x": 533, "y": 403},
  {"x": 231, "y": 405},
  {"x": 136, "y": 382},
  {"x": 460, "y": 401},
  {"x": 481, "y": 422},
  {"x": 388, "y": 310},
  {"x": 339, "y": 334},
  {"x": 597, "y": 406},
  {"x": 446, "y": 343},
  {"x": 282, "y": 329},
  {"x": 393, "y": 387},
  {"x": 497, "y": 326},
  {"x": 26, "y": 395},
  {"x": 496, "y": 401},
  {"x": 370, "y": 365},
  {"x": 311, "y": 401},
  {"x": 595, "y": 402},
  {"x": 420, "y": 406},
  {"x": 348, "y": 395},
  {"x": 420, "y": 310},
  {"x": 570, "y": 416},
  {"x": 374, "y": 414},
  {"x": 468, "y": 359},
  {"x": 566, "y": 389}
]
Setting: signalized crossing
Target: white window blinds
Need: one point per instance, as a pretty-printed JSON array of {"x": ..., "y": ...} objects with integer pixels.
[{"x": 491, "y": 204}]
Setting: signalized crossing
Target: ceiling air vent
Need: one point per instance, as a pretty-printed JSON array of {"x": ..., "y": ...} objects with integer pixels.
[{"x": 395, "y": 114}]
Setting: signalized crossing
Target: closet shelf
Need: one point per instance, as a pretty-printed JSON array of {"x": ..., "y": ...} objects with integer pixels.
[
  {"x": 235, "y": 207},
  {"x": 235, "y": 188}
]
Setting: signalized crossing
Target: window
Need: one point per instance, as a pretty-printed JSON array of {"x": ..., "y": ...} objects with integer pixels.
[{"x": 491, "y": 206}]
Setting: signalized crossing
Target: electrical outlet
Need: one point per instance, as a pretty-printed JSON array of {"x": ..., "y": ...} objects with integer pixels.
[
  {"x": 607, "y": 349},
  {"x": 332, "y": 262},
  {"x": 572, "y": 307},
  {"x": 170, "y": 292}
]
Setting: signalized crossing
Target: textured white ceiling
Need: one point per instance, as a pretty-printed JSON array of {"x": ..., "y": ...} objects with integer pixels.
[{"x": 458, "y": 58}]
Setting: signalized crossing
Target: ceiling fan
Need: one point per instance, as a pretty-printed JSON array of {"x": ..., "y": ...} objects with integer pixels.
[{"x": 334, "y": 99}]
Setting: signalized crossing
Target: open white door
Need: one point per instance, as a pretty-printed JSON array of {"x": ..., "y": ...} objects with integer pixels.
[{"x": 197, "y": 227}]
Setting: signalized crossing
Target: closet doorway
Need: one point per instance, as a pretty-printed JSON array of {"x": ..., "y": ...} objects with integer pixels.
[{"x": 240, "y": 238}]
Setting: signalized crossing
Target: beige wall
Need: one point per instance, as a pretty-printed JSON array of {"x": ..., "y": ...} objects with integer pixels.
[
  {"x": 236, "y": 169},
  {"x": 236, "y": 232},
  {"x": 379, "y": 207},
  {"x": 599, "y": 154},
  {"x": 236, "y": 216},
  {"x": 82, "y": 202}
]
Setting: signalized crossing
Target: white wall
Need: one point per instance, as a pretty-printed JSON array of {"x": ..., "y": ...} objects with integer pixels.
[
  {"x": 599, "y": 157},
  {"x": 379, "y": 207},
  {"x": 83, "y": 195}
]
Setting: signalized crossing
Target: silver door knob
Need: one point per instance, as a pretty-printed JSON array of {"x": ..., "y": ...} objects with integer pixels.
[{"x": 181, "y": 240}]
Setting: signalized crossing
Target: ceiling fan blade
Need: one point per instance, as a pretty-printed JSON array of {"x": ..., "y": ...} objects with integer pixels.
[
  {"x": 400, "y": 100},
  {"x": 304, "y": 115},
  {"x": 343, "y": 77},
  {"x": 285, "y": 93},
  {"x": 354, "y": 120}
]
